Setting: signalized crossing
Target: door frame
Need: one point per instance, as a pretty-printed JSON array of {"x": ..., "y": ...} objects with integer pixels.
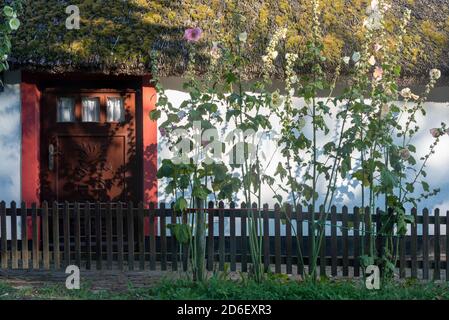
[{"x": 32, "y": 86}]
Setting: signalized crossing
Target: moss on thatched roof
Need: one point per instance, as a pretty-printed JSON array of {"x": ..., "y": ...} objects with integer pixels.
[{"x": 116, "y": 36}]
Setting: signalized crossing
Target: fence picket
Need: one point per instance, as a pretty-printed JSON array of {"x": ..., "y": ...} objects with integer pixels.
[
  {"x": 88, "y": 236},
  {"x": 173, "y": 243},
  {"x": 185, "y": 246},
  {"x": 66, "y": 221},
  {"x": 233, "y": 241},
  {"x": 323, "y": 259},
  {"x": 4, "y": 238},
  {"x": 266, "y": 238},
  {"x": 24, "y": 233},
  {"x": 402, "y": 261},
  {"x": 77, "y": 234},
  {"x": 244, "y": 238},
  {"x": 35, "y": 237},
  {"x": 221, "y": 236},
  {"x": 152, "y": 218},
  {"x": 109, "y": 236},
  {"x": 45, "y": 236},
  {"x": 288, "y": 239},
  {"x": 120, "y": 254},
  {"x": 334, "y": 247},
  {"x": 345, "y": 242},
  {"x": 130, "y": 225},
  {"x": 437, "y": 270},
  {"x": 55, "y": 226},
  {"x": 368, "y": 230},
  {"x": 310, "y": 244},
  {"x": 300, "y": 242},
  {"x": 210, "y": 237},
  {"x": 141, "y": 234},
  {"x": 447, "y": 245},
  {"x": 277, "y": 239},
  {"x": 414, "y": 245},
  {"x": 163, "y": 231},
  {"x": 98, "y": 237},
  {"x": 425, "y": 239},
  {"x": 14, "y": 252},
  {"x": 356, "y": 239}
]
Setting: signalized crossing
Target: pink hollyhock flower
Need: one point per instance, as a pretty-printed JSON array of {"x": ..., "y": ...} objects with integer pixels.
[
  {"x": 435, "y": 132},
  {"x": 377, "y": 47},
  {"x": 404, "y": 154},
  {"x": 193, "y": 34},
  {"x": 378, "y": 73}
]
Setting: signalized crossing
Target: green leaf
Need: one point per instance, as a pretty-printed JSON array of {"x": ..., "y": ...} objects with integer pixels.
[
  {"x": 200, "y": 192},
  {"x": 8, "y": 11},
  {"x": 280, "y": 171},
  {"x": 14, "y": 23},
  {"x": 389, "y": 180},
  {"x": 181, "y": 205},
  {"x": 166, "y": 170},
  {"x": 425, "y": 186},
  {"x": 155, "y": 114},
  {"x": 182, "y": 232}
]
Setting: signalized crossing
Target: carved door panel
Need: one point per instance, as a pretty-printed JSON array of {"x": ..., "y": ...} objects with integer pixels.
[{"x": 88, "y": 146}]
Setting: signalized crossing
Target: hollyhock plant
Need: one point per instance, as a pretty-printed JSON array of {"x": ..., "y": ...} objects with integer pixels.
[
  {"x": 435, "y": 132},
  {"x": 193, "y": 34},
  {"x": 378, "y": 73}
]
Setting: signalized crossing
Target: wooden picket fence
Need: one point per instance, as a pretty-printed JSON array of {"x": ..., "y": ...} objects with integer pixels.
[{"x": 128, "y": 237}]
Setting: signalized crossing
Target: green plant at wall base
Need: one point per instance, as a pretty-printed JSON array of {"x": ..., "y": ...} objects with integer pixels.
[
  {"x": 193, "y": 175},
  {"x": 8, "y": 24}
]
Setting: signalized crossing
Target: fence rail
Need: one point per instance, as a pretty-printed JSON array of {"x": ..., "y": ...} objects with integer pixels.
[{"x": 128, "y": 237}]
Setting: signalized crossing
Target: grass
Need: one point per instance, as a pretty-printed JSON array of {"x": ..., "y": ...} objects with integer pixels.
[{"x": 275, "y": 288}]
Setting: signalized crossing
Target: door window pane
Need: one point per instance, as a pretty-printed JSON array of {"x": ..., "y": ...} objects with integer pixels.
[
  {"x": 116, "y": 112},
  {"x": 91, "y": 110},
  {"x": 66, "y": 110}
]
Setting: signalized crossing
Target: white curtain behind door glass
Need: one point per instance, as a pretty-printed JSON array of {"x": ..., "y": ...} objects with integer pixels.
[
  {"x": 66, "y": 108},
  {"x": 115, "y": 110},
  {"x": 91, "y": 110}
]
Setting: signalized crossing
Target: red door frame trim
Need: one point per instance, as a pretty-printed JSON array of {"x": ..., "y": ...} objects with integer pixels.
[
  {"x": 30, "y": 123},
  {"x": 150, "y": 142},
  {"x": 30, "y": 118}
]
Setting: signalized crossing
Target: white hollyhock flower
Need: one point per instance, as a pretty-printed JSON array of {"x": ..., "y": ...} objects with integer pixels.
[
  {"x": 435, "y": 74},
  {"x": 406, "y": 93},
  {"x": 346, "y": 60},
  {"x": 372, "y": 60},
  {"x": 243, "y": 37}
]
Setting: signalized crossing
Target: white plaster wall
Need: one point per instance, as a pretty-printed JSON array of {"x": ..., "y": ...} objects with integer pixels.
[
  {"x": 10, "y": 143},
  {"x": 348, "y": 193}
]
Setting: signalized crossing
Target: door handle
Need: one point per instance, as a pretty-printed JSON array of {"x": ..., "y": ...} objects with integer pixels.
[{"x": 51, "y": 158}]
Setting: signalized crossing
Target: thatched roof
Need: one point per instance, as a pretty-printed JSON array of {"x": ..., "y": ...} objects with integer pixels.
[{"x": 116, "y": 36}]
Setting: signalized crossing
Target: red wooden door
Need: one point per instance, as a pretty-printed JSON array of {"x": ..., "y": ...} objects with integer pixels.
[{"x": 88, "y": 146}]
